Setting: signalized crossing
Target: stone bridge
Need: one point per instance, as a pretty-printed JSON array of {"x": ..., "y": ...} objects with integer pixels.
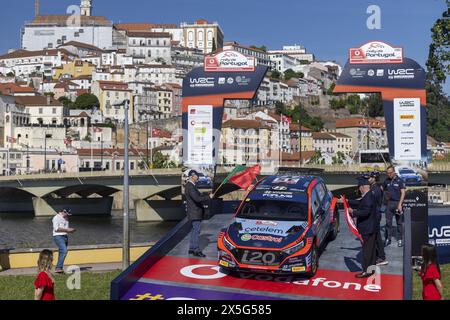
[{"x": 154, "y": 194}]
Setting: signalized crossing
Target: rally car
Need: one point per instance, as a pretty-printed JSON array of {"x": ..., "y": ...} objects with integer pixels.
[{"x": 280, "y": 227}]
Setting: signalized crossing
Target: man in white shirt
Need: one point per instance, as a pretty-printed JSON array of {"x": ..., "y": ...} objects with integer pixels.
[{"x": 60, "y": 235}]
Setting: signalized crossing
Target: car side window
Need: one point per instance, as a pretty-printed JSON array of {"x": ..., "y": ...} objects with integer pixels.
[{"x": 315, "y": 202}]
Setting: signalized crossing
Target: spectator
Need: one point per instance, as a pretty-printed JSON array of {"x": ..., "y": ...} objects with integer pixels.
[
  {"x": 44, "y": 284},
  {"x": 60, "y": 235},
  {"x": 430, "y": 273}
]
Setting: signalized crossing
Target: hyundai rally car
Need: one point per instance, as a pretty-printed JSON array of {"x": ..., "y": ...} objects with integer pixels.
[{"x": 280, "y": 226}]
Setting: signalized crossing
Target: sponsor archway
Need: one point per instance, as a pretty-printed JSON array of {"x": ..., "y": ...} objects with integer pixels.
[
  {"x": 378, "y": 67},
  {"x": 228, "y": 75}
]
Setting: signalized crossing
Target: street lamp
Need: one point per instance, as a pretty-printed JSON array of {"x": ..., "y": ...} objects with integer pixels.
[
  {"x": 126, "y": 190},
  {"x": 46, "y": 136}
]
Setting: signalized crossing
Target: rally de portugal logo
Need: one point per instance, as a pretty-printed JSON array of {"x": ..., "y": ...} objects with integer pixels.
[{"x": 246, "y": 237}]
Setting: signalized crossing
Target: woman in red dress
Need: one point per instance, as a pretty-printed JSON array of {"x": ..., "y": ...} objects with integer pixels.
[
  {"x": 44, "y": 284},
  {"x": 430, "y": 273}
]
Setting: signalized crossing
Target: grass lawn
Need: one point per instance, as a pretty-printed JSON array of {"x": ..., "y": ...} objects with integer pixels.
[
  {"x": 94, "y": 286},
  {"x": 445, "y": 279}
]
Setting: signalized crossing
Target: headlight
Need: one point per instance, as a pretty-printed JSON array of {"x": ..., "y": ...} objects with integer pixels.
[
  {"x": 295, "y": 248},
  {"x": 227, "y": 244}
]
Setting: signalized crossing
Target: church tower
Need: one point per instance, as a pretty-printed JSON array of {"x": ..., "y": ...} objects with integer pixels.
[{"x": 86, "y": 7}]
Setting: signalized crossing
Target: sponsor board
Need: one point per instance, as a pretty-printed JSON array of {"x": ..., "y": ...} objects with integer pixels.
[
  {"x": 376, "y": 52},
  {"x": 330, "y": 284},
  {"x": 407, "y": 129},
  {"x": 200, "y": 132},
  {"x": 229, "y": 61}
]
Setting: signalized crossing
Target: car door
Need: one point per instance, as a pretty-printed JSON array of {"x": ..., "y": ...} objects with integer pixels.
[{"x": 318, "y": 216}]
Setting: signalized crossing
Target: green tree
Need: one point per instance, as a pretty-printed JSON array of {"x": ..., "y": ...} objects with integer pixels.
[
  {"x": 160, "y": 160},
  {"x": 10, "y": 74},
  {"x": 66, "y": 102},
  {"x": 275, "y": 74},
  {"x": 438, "y": 68},
  {"x": 374, "y": 104},
  {"x": 289, "y": 74},
  {"x": 262, "y": 48},
  {"x": 86, "y": 101}
]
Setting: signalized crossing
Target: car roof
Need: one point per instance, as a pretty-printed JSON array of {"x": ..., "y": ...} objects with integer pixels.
[{"x": 283, "y": 187}]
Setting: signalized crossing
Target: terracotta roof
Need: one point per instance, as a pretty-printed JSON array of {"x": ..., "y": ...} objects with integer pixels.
[
  {"x": 339, "y": 135},
  {"x": 173, "y": 85},
  {"x": 12, "y": 88},
  {"x": 26, "y": 53},
  {"x": 306, "y": 155},
  {"x": 322, "y": 136},
  {"x": 81, "y": 45},
  {"x": 62, "y": 20},
  {"x": 113, "y": 85},
  {"x": 142, "y": 26},
  {"x": 81, "y": 91},
  {"x": 360, "y": 123},
  {"x": 245, "y": 124},
  {"x": 148, "y": 34},
  {"x": 296, "y": 127},
  {"x": 37, "y": 101}
]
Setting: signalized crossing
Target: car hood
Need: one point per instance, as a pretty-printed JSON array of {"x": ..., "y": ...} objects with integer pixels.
[{"x": 265, "y": 233}]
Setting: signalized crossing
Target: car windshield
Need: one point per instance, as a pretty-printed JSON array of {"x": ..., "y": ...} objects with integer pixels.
[
  {"x": 274, "y": 210},
  {"x": 407, "y": 171}
]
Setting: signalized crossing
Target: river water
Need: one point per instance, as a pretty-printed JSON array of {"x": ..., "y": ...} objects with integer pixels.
[{"x": 24, "y": 231}]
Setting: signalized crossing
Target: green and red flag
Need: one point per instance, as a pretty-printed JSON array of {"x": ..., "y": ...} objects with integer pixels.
[{"x": 243, "y": 177}]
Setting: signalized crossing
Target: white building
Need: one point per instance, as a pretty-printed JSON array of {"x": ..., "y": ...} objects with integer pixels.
[
  {"x": 24, "y": 63},
  {"x": 202, "y": 35},
  {"x": 51, "y": 31},
  {"x": 146, "y": 47},
  {"x": 42, "y": 110},
  {"x": 262, "y": 57},
  {"x": 296, "y": 51}
]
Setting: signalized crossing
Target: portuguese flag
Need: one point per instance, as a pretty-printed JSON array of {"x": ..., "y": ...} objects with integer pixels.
[{"x": 243, "y": 176}]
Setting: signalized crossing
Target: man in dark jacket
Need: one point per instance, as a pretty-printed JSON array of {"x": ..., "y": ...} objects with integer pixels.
[
  {"x": 366, "y": 221},
  {"x": 194, "y": 210},
  {"x": 377, "y": 192}
]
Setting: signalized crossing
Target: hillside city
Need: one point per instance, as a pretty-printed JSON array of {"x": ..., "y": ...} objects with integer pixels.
[{"x": 61, "y": 94}]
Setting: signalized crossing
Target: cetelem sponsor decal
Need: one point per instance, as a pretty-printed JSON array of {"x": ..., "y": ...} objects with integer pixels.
[
  {"x": 229, "y": 61},
  {"x": 263, "y": 230},
  {"x": 376, "y": 52}
]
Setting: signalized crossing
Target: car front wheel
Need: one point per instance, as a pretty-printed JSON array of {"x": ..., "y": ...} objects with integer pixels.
[{"x": 314, "y": 262}]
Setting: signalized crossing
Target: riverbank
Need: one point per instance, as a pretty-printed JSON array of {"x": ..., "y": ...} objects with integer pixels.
[{"x": 77, "y": 255}]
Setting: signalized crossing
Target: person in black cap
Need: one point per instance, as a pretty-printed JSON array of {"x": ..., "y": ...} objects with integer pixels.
[
  {"x": 194, "y": 210},
  {"x": 396, "y": 193},
  {"x": 377, "y": 192},
  {"x": 366, "y": 220}
]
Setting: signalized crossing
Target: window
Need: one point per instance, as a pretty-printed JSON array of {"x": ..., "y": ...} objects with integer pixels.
[
  {"x": 41, "y": 111},
  {"x": 54, "y": 110}
]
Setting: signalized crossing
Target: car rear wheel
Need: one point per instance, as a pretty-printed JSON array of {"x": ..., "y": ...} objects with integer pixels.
[{"x": 314, "y": 262}]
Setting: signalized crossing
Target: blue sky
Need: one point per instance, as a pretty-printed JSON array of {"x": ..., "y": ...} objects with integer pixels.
[{"x": 325, "y": 27}]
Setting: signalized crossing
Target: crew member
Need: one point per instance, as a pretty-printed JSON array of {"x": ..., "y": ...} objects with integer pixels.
[
  {"x": 366, "y": 220},
  {"x": 377, "y": 192},
  {"x": 396, "y": 192},
  {"x": 194, "y": 209}
]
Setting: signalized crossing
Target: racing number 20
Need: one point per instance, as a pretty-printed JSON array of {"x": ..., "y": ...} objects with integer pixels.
[{"x": 257, "y": 257}]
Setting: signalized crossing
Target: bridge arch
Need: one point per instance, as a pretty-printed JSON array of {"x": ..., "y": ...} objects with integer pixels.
[{"x": 15, "y": 200}]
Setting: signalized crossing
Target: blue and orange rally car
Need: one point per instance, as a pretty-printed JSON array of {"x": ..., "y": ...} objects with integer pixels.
[{"x": 280, "y": 227}]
